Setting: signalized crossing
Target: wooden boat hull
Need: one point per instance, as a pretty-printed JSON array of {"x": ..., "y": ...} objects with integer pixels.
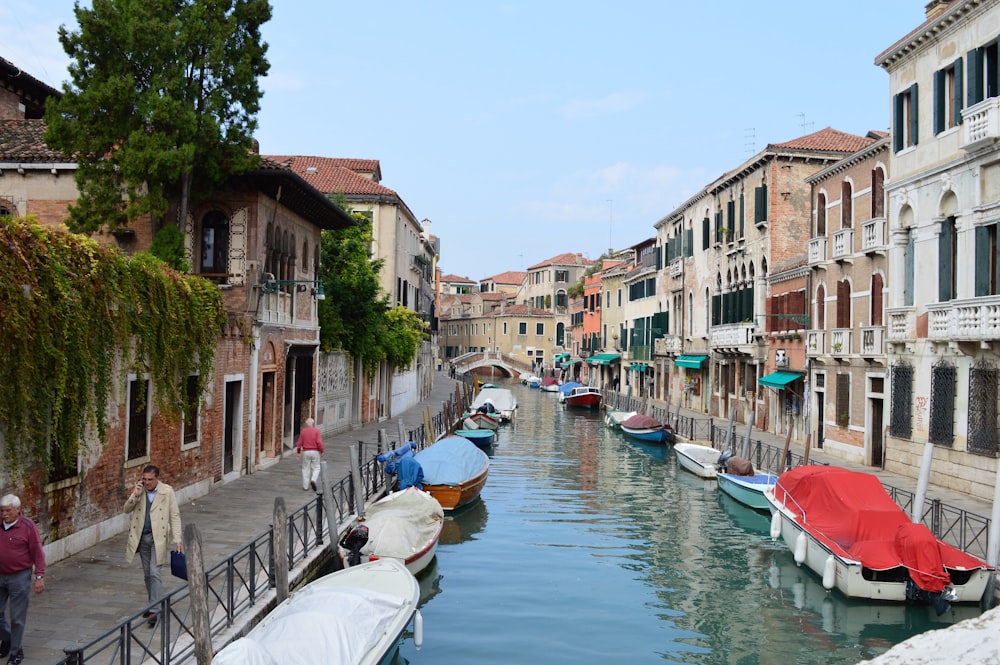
[
  {"x": 748, "y": 490},
  {"x": 481, "y": 437},
  {"x": 485, "y": 420},
  {"x": 698, "y": 459},
  {"x": 455, "y": 496}
]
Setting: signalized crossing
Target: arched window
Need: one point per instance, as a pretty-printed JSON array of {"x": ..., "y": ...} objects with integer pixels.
[
  {"x": 820, "y": 308},
  {"x": 820, "y": 215},
  {"x": 878, "y": 193},
  {"x": 846, "y": 205},
  {"x": 305, "y": 256},
  {"x": 843, "y": 304},
  {"x": 876, "y": 300},
  {"x": 214, "y": 245}
]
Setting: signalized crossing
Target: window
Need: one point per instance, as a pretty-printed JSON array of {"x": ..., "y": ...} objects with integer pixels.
[
  {"x": 214, "y": 245},
  {"x": 843, "y": 304},
  {"x": 189, "y": 423},
  {"x": 987, "y": 265},
  {"x": 706, "y": 233},
  {"x": 561, "y": 298},
  {"x": 909, "y": 262},
  {"x": 876, "y": 300},
  {"x": 846, "y": 204},
  {"x": 947, "y": 260},
  {"x": 904, "y": 119},
  {"x": 843, "y": 403},
  {"x": 760, "y": 204},
  {"x": 983, "y": 74},
  {"x": 878, "y": 193},
  {"x": 562, "y": 275},
  {"x": 984, "y": 382},
  {"x": 948, "y": 97},
  {"x": 539, "y": 328},
  {"x": 901, "y": 413},
  {"x": 137, "y": 419},
  {"x": 943, "y": 379},
  {"x": 522, "y": 328},
  {"x": 820, "y": 308}
]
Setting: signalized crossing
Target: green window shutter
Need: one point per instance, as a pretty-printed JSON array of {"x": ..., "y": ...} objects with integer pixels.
[
  {"x": 975, "y": 77},
  {"x": 716, "y": 309},
  {"x": 982, "y": 260},
  {"x": 706, "y": 233},
  {"x": 742, "y": 213},
  {"x": 731, "y": 218},
  {"x": 897, "y": 123},
  {"x": 718, "y": 226},
  {"x": 914, "y": 114},
  {"x": 944, "y": 262},
  {"x": 957, "y": 101},
  {"x": 689, "y": 242},
  {"x": 939, "y": 98}
]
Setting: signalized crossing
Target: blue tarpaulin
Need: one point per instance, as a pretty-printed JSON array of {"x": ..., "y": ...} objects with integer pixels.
[{"x": 451, "y": 461}]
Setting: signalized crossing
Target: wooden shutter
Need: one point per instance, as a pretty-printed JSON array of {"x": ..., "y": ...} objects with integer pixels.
[
  {"x": 843, "y": 304},
  {"x": 876, "y": 299},
  {"x": 975, "y": 78},
  {"x": 945, "y": 267},
  {"x": 743, "y": 207},
  {"x": 914, "y": 115},
  {"x": 983, "y": 260},
  {"x": 957, "y": 100},
  {"x": 908, "y": 269},
  {"x": 897, "y": 123},
  {"x": 689, "y": 242},
  {"x": 706, "y": 233},
  {"x": 820, "y": 308},
  {"x": 940, "y": 93}
]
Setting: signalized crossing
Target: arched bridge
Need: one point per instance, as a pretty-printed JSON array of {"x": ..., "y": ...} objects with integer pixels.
[{"x": 470, "y": 361}]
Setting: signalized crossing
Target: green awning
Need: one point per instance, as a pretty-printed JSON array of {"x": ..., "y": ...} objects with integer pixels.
[
  {"x": 566, "y": 363},
  {"x": 560, "y": 357},
  {"x": 603, "y": 358},
  {"x": 778, "y": 380},
  {"x": 694, "y": 362},
  {"x": 639, "y": 367}
]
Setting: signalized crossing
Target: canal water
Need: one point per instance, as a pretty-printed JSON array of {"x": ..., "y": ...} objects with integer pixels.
[{"x": 586, "y": 548}]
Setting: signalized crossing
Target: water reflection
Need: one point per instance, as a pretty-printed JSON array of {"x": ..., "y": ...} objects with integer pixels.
[{"x": 463, "y": 524}]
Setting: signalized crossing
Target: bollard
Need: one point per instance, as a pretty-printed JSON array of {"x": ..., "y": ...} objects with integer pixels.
[
  {"x": 74, "y": 655},
  {"x": 198, "y": 583},
  {"x": 280, "y": 549}
]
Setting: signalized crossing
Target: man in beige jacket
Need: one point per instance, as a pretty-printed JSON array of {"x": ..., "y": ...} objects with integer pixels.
[{"x": 154, "y": 515}]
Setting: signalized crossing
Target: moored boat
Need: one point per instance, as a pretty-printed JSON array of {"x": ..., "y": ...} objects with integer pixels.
[
  {"x": 481, "y": 437},
  {"x": 373, "y": 603},
  {"x": 648, "y": 429},
  {"x": 613, "y": 418},
  {"x": 583, "y": 397},
  {"x": 454, "y": 471},
  {"x": 404, "y": 525},
  {"x": 565, "y": 389},
  {"x": 550, "y": 384},
  {"x": 698, "y": 459},
  {"x": 496, "y": 400},
  {"x": 844, "y": 526}
]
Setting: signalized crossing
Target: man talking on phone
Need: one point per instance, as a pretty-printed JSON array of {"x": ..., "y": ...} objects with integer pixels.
[{"x": 154, "y": 516}]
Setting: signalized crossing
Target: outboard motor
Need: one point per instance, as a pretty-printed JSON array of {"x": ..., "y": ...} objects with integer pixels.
[
  {"x": 724, "y": 459},
  {"x": 353, "y": 541}
]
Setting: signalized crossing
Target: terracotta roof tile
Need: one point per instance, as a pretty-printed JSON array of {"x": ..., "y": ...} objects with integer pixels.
[
  {"x": 526, "y": 310},
  {"x": 23, "y": 141},
  {"x": 509, "y": 277},
  {"x": 567, "y": 259},
  {"x": 828, "y": 139},
  {"x": 455, "y": 279},
  {"x": 331, "y": 175}
]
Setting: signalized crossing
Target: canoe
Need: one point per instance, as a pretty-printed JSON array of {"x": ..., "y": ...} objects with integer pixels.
[
  {"x": 454, "y": 471},
  {"x": 404, "y": 525},
  {"x": 372, "y": 603},
  {"x": 698, "y": 459}
]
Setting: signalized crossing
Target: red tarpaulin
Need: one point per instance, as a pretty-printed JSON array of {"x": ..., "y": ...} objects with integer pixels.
[
  {"x": 639, "y": 421},
  {"x": 851, "y": 513}
]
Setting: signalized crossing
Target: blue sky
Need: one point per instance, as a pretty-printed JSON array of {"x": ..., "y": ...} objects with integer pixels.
[{"x": 527, "y": 128}]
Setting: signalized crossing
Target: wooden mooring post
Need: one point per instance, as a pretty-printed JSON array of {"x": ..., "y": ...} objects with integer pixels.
[
  {"x": 280, "y": 521},
  {"x": 200, "y": 620}
]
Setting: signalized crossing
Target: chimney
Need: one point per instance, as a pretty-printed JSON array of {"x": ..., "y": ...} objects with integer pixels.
[{"x": 935, "y": 8}]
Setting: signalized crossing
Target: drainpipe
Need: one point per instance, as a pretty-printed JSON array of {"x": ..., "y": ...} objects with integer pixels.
[{"x": 254, "y": 401}]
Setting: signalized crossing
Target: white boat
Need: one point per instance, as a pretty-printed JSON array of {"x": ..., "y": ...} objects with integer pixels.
[
  {"x": 502, "y": 399},
  {"x": 614, "y": 418},
  {"x": 404, "y": 525},
  {"x": 844, "y": 526},
  {"x": 698, "y": 459},
  {"x": 354, "y": 616}
]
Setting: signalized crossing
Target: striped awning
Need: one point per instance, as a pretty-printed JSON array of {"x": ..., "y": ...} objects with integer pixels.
[
  {"x": 603, "y": 358},
  {"x": 694, "y": 362}
]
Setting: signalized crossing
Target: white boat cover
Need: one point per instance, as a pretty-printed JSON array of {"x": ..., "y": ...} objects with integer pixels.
[
  {"x": 318, "y": 624},
  {"x": 501, "y": 398},
  {"x": 402, "y": 524},
  {"x": 451, "y": 461}
]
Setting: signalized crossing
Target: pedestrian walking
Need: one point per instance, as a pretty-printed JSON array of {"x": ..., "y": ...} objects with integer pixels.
[
  {"x": 309, "y": 449},
  {"x": 151, "y": 521},
  {"x": 22, "y": 568}
]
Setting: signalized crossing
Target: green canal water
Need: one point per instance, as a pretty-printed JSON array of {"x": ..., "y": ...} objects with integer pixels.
[{"x": 586, "y": 548}]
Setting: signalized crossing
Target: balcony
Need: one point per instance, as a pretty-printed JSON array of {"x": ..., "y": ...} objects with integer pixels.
[
  {"x": 738, "y": 337},
  {"x": 666, "y": 345},
  {"x": 902, "y": 324},
  {"x": 873, "y": 236},
  {"x": 973, "y": 320},
  {"x": 840, "y": 342},
  {"x": 843, "y": 243},
  {"x": 817, "y": 250},
  {"x": 981, "y": 125},
  {"x": 815, "y": 343},
  {"x": 872, "y": 341}
]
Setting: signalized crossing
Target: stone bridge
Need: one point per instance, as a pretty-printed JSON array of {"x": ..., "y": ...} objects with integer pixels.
[{"x": 509, "y": 366}]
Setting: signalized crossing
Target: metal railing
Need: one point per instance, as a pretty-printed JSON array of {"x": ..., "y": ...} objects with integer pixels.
[{"x": 242, "y": 581}]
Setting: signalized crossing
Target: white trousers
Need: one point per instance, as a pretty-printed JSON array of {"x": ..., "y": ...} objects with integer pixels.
[{"x": 310, "y": 468}]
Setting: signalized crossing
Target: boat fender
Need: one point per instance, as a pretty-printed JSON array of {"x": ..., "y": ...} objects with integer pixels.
[
  {"x": 829, "y": 573},
  {"x": 801, "y": 543},
  {"x": 775, "y": 526},
  {"x": 418, "y": 630}
]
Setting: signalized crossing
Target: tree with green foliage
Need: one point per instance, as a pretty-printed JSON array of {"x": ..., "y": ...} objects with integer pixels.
[{"x": 161, "y": 106}]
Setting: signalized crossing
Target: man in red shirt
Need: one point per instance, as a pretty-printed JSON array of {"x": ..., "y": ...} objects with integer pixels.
[
  {"x": 22, "y": 567},
  {"x": 309, "y": 449}
]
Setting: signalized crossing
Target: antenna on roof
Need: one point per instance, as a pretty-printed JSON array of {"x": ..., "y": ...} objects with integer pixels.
[
  {"x": 750, "y": 136},
  {"x": 803, "y": 124},
  {"x": 611, "y": 219}
]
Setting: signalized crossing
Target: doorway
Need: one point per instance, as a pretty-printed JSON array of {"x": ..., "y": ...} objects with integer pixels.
[{"x": 231, "y": 429}]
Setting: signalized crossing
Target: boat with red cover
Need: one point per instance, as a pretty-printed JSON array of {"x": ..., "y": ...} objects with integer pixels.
[
  {"x": 648, "y": 429},
  {"x": 845, "y": 527}
]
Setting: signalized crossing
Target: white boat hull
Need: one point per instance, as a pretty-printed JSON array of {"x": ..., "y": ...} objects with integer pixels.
[
  {"x": 698, "y": 459},
  {"x": 846, "y": 575},
  {"x": 748, "y": 490}
]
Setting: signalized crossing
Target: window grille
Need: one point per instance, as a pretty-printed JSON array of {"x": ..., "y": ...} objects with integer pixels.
[
  {"x": 984, "y": 378},
  {"x": 943, "y": 378},
  {"x": 901, "y": 413}
]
